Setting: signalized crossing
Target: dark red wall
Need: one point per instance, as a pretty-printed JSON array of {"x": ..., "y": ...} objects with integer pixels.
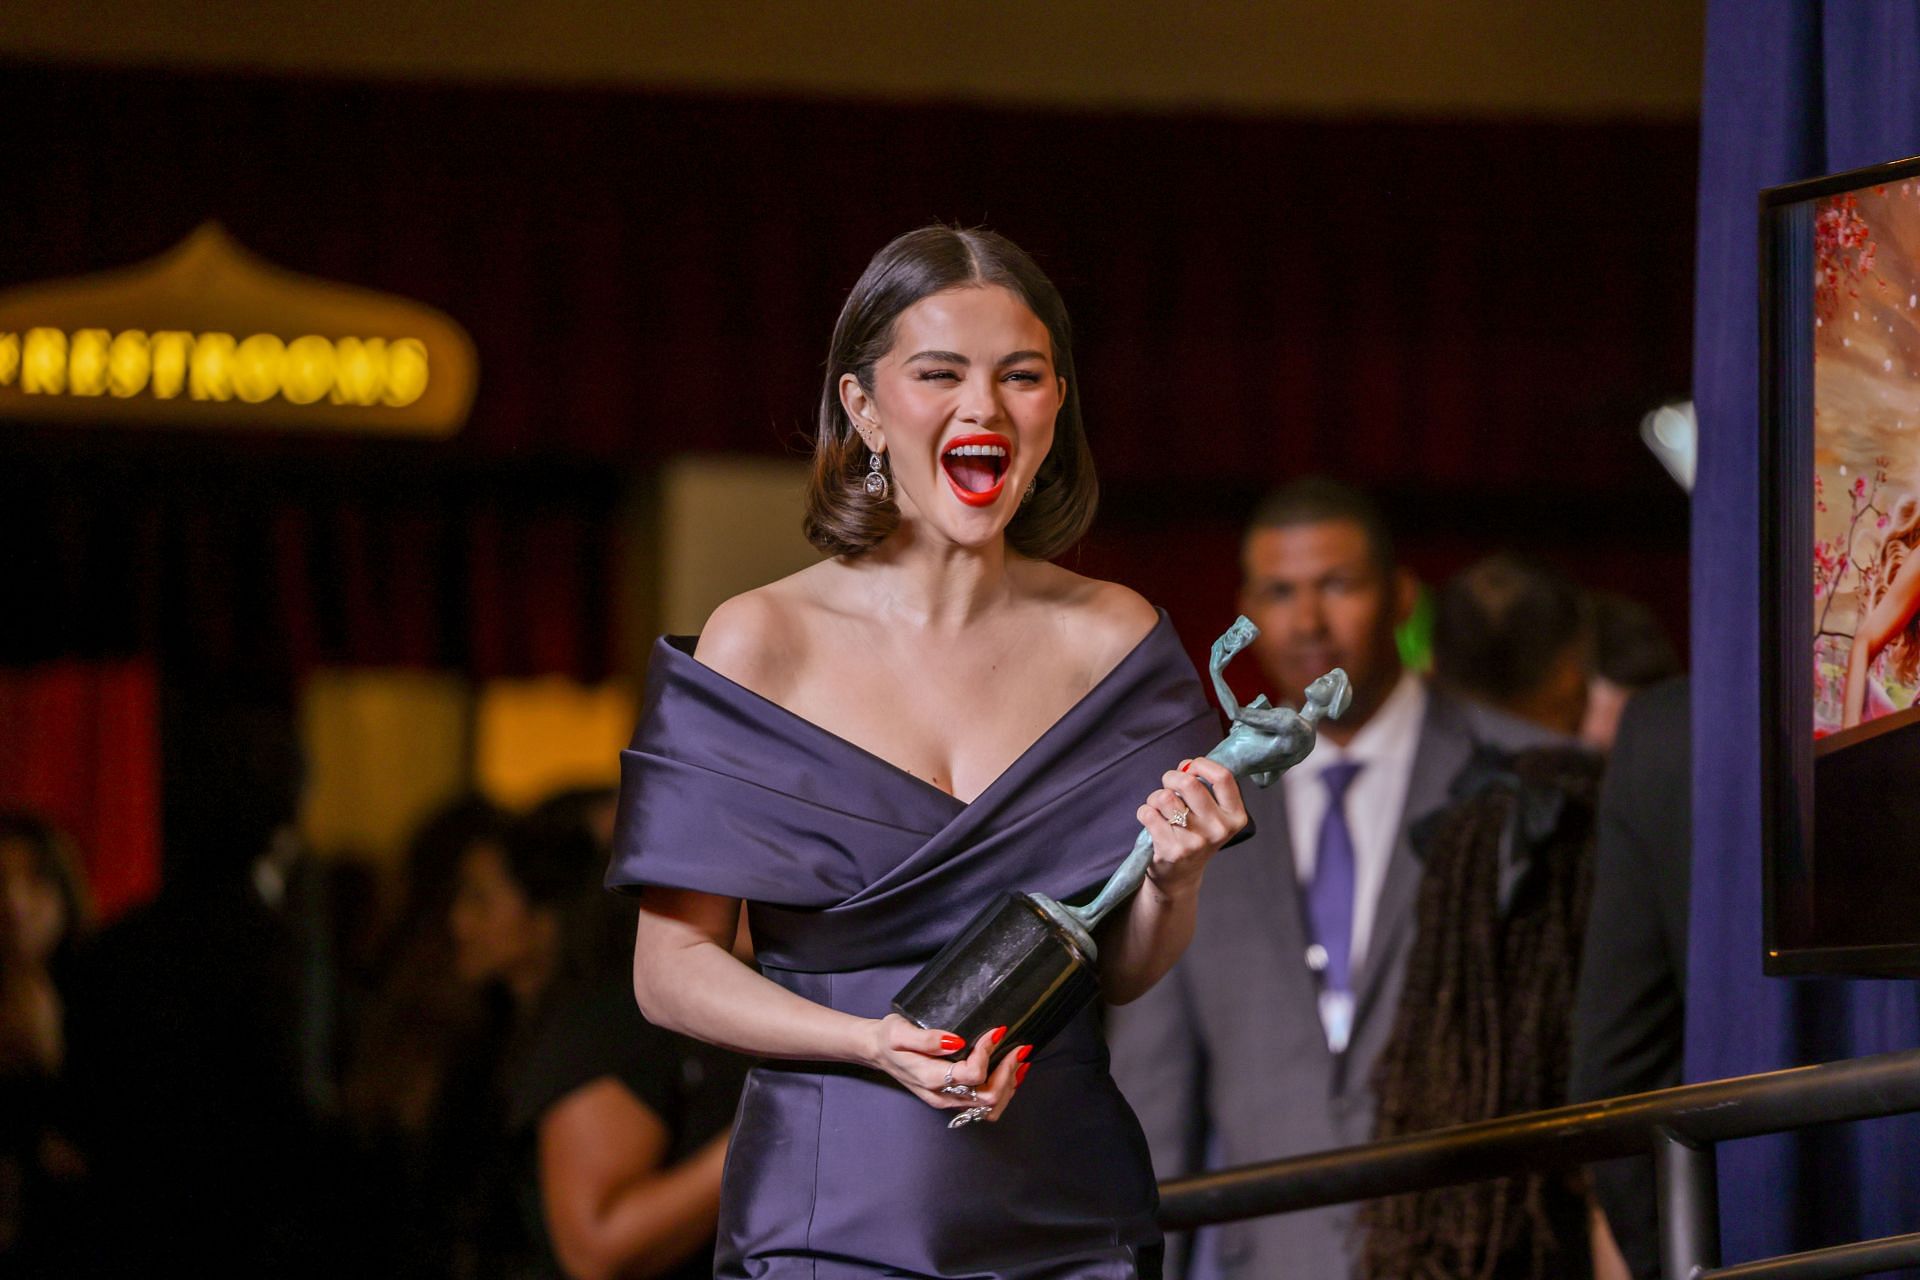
[{"x": 1468, "y": 316}]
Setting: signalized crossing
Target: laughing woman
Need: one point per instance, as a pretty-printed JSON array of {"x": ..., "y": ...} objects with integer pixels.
[{"x": 869, "y": 751}]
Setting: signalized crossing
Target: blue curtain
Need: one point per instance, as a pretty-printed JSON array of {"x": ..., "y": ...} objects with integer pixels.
[{"x": 1793, "y": 89}]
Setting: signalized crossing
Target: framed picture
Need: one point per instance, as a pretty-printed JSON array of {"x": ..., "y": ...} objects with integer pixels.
[{"x": 1840, "y": 589}]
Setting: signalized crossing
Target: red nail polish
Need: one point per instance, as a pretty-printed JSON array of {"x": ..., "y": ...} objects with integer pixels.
[
  {"x": 950, "y": 1041},
  {"x": 1020, "y": 1054},
  {"x": 999, "y": 1034},
  {"x": 1188, "y": 765},
  {"x": 1020, "y": 1075}
]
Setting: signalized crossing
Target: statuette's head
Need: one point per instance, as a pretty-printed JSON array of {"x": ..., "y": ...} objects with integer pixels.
[{"x": 1331, "y": 693}]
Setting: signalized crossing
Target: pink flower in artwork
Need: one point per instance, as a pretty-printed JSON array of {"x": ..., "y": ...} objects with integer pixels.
[
  {"x": 1843, "y": 252},
  {"x": 1860, "y": 487}
]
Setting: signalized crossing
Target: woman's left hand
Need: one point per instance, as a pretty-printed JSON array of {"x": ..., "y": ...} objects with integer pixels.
[{"x": 1209, "y": 795}]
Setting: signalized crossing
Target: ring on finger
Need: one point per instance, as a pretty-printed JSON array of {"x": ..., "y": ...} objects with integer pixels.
[
  {"x": 957, "y": 1090},
  {"x": 967, "y": 1117},
  {"x": 1180, "y": 819}
]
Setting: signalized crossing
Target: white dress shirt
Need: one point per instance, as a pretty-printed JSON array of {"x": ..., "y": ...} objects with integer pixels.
[{"x": 1376, "y": 800}]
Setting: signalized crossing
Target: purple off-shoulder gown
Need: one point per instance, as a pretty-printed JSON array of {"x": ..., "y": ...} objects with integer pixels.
[{"x": 856, "y": 872}]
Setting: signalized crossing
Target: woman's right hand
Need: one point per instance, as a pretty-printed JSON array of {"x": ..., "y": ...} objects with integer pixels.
[{"x": 917, "y": 1059}]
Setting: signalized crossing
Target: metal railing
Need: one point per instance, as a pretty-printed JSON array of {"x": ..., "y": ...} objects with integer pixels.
[{"x": 1678, "y": 1127}]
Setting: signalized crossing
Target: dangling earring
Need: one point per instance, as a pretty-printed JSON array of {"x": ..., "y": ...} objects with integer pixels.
[
  {"x": 876, "y": 485},
  {"x": 1026, "y": 495}
]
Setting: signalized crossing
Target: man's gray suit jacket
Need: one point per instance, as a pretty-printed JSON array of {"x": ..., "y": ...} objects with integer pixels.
[{"x": 1230, "y": 1046}]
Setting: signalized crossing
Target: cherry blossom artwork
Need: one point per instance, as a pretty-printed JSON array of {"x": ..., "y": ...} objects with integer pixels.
[{"x": 1866, "y": 481}]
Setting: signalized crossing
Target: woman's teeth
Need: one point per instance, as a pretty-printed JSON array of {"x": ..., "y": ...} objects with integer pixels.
[{"x": 976, "y": 469}]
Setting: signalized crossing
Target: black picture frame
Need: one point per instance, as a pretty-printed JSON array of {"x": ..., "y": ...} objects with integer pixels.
[{"x": 1815, "y": 919}]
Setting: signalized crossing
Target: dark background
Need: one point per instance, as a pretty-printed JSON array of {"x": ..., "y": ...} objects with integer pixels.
[{"x": 1466, "y": 316}]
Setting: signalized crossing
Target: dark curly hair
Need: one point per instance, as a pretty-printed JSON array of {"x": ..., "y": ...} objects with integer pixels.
[
  {"x": 841, "y": 519},
  {"x": 1484, "y": 1024}
]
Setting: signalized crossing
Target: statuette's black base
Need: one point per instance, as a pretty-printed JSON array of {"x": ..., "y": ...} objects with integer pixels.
[{"x": 1012, "y": 966}]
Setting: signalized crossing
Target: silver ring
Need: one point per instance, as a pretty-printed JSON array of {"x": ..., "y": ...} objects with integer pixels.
[
  {"x": 947, "y": 1080},
  {"x": 1180, "y": 819},
  {"x": 968, "y": 1116},
  {"x": 957, "y": 1090}
]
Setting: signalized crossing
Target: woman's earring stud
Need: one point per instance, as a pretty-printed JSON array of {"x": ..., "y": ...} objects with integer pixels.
[
  {"x": 876, "y": 485},
  {"x": 1026, "y": 495}
]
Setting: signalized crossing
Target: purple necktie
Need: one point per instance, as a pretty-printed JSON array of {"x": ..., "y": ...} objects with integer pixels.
[{"x": 1330, "y": 896}]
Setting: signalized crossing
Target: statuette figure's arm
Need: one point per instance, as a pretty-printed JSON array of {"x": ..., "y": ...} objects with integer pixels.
[{"x": 1231, "y": 642}]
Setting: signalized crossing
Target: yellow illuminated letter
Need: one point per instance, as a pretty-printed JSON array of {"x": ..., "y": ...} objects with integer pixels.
[
  {"x": 359, "y": 369},
  {"x": 170, "y": 348},
  {"x": 43, "y": 368},
  {"x": 256, "y": 368},
  {"x": 406, "y": 372},
  {"x": 210, "y": 372},
  {"x": 87, "y": 362},
  {"x": 128, "y": 364},
  {"x": 308, "y": 371},
  {"x": 9, "y": 358}
]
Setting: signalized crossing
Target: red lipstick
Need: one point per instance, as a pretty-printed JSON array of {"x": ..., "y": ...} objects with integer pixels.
[{"x": 976, "y": 466}]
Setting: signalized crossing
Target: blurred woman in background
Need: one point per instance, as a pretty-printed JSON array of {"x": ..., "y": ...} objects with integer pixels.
[
  {"x": 624, "y": 1124},
  {"x": 418, "y": 1017},
  {"x": 507, "y": 919},
  {"x": 571, "y": 1136},
  {"x": 419, "y": 1007},
  {"x": 47, "y": 910}
]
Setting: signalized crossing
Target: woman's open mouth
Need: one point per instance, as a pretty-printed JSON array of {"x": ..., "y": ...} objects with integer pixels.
[{"x": 976, "y": 467}]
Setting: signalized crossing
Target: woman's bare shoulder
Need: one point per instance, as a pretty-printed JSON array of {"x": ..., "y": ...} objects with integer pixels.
[
  {"x": 1106, "y": 620},
  {"x": 758, "y": 637}
]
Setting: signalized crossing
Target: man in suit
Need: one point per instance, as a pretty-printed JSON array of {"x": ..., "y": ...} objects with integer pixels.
[
  {"x": 1261, "y": 1041},
  {"x": 1629, "y": 1012}
]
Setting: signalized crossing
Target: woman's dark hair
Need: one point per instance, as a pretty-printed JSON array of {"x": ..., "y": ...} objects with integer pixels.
[
  {"x": 553, "y": 857},
  {"x": 56, "y": 860},
  {"x": 557, "y": 859},
  {"x": 433, "y": 857},
  {"x": 841, "y": 519},
  {"x": 418, "y": 1015}
]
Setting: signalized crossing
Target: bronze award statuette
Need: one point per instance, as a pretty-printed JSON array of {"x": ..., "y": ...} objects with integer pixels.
[{"x": 1028, "y": 963}]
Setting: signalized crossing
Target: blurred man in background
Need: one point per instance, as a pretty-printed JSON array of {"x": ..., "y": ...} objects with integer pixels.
[
  {"x": 1515, "y": 635},
  {"x": 1629, "y": 1014},
  {"x": 1261, "y": 1042},
  {"x": 200, "y": 1027},
  {"x": 1631, "y": 652}
]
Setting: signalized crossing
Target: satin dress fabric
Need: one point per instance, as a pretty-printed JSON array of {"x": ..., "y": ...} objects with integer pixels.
[{"x": 856, "y": 872}]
